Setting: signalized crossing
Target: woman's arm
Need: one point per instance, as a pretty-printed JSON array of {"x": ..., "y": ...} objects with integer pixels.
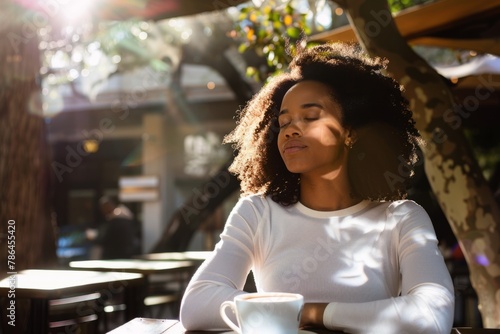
[
  {"x": 386, "y": 316},
  {"x": 428, "y": 310},
  {"x": 222, "y": 276},
  {"x": 426, "y": 301}
]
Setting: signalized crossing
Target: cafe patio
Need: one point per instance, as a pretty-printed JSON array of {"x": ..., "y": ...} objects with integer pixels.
[{"x": 150, "y": 136}]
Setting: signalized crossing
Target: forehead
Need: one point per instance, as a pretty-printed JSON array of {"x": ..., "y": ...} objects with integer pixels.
[{"x": 309, "y": 89}]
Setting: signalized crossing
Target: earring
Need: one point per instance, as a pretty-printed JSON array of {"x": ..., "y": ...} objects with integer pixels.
[{"x": 348, "y": 143}]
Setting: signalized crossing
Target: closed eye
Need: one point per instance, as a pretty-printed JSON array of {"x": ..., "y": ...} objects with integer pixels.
[
  {"x": 283, "y": 120},
  {"x": 284, "y": 125},
  {"x": 309, "y": 119}
]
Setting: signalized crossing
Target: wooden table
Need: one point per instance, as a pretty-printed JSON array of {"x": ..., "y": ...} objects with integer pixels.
[
  {"x": 196, "y": 256},
  {"x": 182, "y": 270},
  {"x": 167, "y": 326},
  {"x": 145, "y": 267},
  {"x": 165, "y": 280},
  {"x": 145, "y": 326},
  {"x": 41, "y": 286}
]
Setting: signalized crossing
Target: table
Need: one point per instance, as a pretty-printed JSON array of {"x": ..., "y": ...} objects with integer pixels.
[
  {"x": 145, "y": 267},
  {"x": 182, "y": 270},
  {"x": 165, "y": 280},
  {"x": 40, "y": 286},
  {"x": 196, "y": 256},
  {"x": 148, "y": 268},
  {"x": 145, "y": 326},
  {"x": 168, "y": 326}
]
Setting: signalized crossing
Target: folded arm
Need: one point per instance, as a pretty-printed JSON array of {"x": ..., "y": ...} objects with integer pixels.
[{"x": 220, "y": 277}]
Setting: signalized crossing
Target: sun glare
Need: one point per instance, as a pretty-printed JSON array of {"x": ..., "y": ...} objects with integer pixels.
[
  {"x": 76, "y": 10},
  {"x": 70, "y": 13}
]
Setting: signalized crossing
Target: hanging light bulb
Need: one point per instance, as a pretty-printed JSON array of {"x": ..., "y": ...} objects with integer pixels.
[{"x": 90, "y": 145}]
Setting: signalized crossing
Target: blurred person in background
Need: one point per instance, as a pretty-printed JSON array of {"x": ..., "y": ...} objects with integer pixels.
[{"x": 118, "y": 237}]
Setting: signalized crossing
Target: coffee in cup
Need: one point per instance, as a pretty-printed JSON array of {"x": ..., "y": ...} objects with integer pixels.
[{"x": 265, "y": 313}]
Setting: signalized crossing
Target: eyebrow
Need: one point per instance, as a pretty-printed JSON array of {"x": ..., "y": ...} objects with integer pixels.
[{"x": 303, "y": 106}]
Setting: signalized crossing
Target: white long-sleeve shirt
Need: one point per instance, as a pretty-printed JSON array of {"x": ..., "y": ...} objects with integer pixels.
[{"x": 377, "y": 264}]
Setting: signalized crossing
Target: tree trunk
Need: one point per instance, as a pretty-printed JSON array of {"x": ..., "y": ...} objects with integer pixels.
[
  {"x": 26, "y": 230},
  {"x": 25, "y": 205},
  {"x": 450, "y": 165}
]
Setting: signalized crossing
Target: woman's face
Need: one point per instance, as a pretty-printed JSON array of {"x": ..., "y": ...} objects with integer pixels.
[{"x": 311, "y": 138}]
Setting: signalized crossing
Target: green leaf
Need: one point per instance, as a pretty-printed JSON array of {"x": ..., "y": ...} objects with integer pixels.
[
  {"x": 242, "y": 48},
  {"x": 274, "y": 16},
  {"x": 251, "y": 71},
  {"x": 293, "y": 32}
]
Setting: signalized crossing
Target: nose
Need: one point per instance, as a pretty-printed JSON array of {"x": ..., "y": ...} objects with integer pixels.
[
  {"x": 292, "y": 134},
  {"x": 292, "y": 130}
]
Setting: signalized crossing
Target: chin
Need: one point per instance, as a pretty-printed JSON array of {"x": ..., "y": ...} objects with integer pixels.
[
  {"x": 295, "y": 169},
  {"x": 296, "y": 166}
]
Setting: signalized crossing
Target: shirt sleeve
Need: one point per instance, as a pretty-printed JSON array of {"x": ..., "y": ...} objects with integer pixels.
[
  {"x": 223, "y": 275},
  {"x": 426, "y": 301}
]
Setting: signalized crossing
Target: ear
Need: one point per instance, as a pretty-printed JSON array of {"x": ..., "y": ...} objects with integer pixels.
[{"x": 351, "y": 138}]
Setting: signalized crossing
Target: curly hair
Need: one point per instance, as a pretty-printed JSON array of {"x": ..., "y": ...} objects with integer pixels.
[{"x": 383, "y": 157}]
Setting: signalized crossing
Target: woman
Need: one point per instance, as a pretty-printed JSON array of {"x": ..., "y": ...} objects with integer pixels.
[{"x": 325, "y": 155}]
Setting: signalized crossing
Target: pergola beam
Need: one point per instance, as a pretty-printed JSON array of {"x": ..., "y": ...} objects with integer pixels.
[
  {"x": 486, "y": 45},
  {"x": 425, "y": 24}
]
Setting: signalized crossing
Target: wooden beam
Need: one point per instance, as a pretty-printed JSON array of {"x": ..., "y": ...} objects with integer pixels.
[
  {"x": 486, "y": 45},
  {"x": 425, "y": 20},
  {"x": 186, "y": 8}
]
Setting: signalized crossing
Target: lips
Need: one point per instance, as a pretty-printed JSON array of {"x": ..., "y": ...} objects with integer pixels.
[{"x": 293, "y": 146}]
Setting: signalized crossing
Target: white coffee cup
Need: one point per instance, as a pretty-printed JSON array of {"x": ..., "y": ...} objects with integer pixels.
[{"x": 265, "y": 313}]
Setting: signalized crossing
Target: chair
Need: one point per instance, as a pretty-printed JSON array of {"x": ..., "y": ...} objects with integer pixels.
[
  {"x": 75, "y": 314},
  {"x": 164, "y": 294}
]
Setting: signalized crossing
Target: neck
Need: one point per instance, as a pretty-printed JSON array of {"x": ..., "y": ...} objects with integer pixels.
[{"x": 323, "y": 194}]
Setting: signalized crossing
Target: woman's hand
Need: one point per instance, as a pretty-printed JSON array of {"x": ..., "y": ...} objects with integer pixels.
[{"x": 312, "y": 315}]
